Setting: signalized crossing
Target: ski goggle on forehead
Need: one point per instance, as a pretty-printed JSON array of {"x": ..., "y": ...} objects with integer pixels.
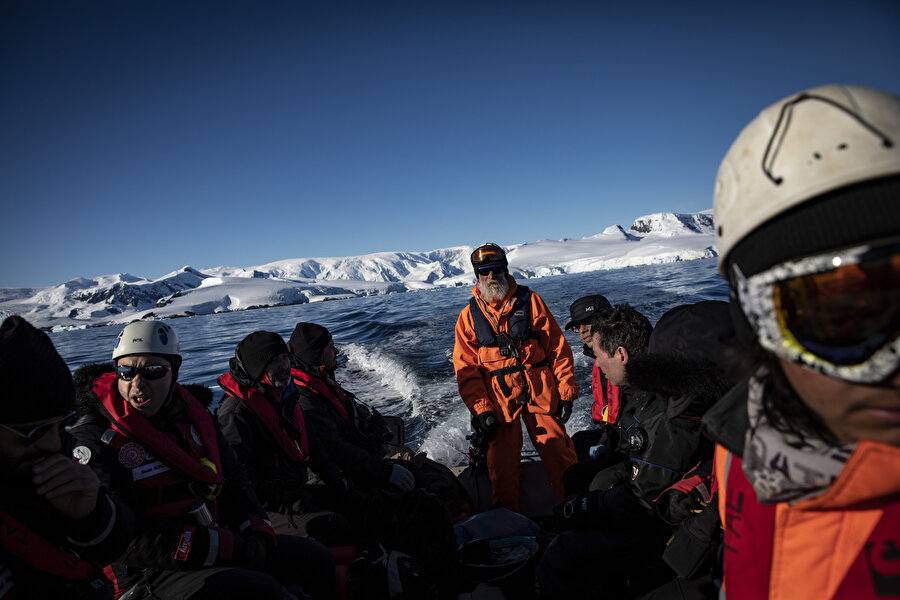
[
  {"x": 835, "y": 312},
  {"x": 487, "y": 254}
]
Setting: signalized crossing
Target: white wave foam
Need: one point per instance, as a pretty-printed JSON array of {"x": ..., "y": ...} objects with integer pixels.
[
  {"x": 394, "y": 374},
  {"x": 447, "y": 443}
]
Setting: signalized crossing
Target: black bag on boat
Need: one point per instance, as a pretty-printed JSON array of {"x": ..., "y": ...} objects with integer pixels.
[
  {"x": 380, "y": 574},
  {"x": 499, "y": 548},
  {"x": 443, "y": 484}
]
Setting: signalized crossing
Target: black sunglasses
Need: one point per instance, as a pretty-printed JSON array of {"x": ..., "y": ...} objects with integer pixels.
[
  {"x": 127, "y": 373},
  {"x": 43, "y": 429},
  {"x": 496, "y": 270}
]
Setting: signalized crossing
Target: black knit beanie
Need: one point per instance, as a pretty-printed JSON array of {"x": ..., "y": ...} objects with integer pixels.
[
  {"x": 256, "y": 350},
  {"x": 37, "y": 383},
  {"x": 308, "y": 344},
  {"x": 847, "y": 216}
]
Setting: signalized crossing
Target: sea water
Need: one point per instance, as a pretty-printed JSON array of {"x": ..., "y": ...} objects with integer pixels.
[{"x": 396, "y": 349}]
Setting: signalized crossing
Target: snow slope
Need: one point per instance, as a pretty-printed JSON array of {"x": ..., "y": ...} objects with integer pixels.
[{"x": 656, "y": 238}]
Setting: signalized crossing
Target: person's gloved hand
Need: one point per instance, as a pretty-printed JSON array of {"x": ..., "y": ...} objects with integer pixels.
[
  {"x": 609, "y": 478},
  {"x": 598, "y": 452},
  {"x": 402, "y": 478},
  {"x": 564, "y": 411},
  {"x": 486, "y": 423}
]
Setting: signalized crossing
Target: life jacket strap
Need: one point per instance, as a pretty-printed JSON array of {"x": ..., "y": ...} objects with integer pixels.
[{"x": 500, "y": 374}]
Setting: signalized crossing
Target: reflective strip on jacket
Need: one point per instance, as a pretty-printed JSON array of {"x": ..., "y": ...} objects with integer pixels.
[
  {"x": 547, "y": 378},
  {"x": 843, "y": 544}
]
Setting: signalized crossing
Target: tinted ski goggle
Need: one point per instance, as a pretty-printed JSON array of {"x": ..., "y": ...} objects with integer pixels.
[
  {"x": 43, "y": 429},
  {"x": 488, "y": 254},
  {"x": 836, "y": 312},
  {"x": 151, "y": 372}
]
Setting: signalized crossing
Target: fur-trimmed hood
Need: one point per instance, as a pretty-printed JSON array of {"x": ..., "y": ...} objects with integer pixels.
[
  {"x": 690, "y": 385},
  {"x": 691, "y": 358}
]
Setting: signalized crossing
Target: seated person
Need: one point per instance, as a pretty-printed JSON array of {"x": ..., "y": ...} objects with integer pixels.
[
  {"x": 617, "y": 525},
  {"x": 262, "y": 421},
  {"x": 201, "y": 531},
  {"x": 58, "y": 526},
  {"x": 352, "y": 437},
  {"x": 581, "y": 312},
  {"x": 616, "y": 337},
  {"x": 808, "y": 461},
  {"x": 347, "y": 442}
]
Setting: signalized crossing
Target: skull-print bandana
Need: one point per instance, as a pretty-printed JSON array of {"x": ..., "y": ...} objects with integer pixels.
[{"x": 783, "y": 467}]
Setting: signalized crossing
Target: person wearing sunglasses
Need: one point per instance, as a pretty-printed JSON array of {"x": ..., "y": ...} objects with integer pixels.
[
  {"x": 807, "y": 213},
  {"x": 201, "y": 531},
  {"x": 58, "y": 526},
  {"x": 512, "y": 360},
  {"x": 582, "y": 312}
]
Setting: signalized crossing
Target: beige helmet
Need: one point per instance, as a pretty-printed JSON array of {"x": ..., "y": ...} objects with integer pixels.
[
  {"x": 799, "y": 148},
  {"x": 147, "y": 337}
]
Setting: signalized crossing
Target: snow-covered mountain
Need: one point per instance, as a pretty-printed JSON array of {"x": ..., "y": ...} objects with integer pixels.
[{"x": 656, "y": 238}]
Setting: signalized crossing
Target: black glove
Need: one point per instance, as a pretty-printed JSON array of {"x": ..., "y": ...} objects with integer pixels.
[
  {"x": 564, "y": 411},
  {"x": 608, "y": 478},
  {"x": 486, "y": 423}
]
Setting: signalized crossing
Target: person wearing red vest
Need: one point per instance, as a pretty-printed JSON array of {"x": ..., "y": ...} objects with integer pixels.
[
  {"x": 581, "y": 312},
  {"x": 58, "y": 526},
  {"x": 513, "y": 366},
  {"x": 201, "y": 532},
  {"x": 808, "y": 462},
  {"x": 261, "y": 418},
  {"x": 621, "y": 332},
  {"x": 620, "y": 523},
  {"x": 383, "y": 497}
]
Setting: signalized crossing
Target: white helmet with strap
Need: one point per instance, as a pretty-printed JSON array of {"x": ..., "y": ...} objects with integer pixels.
[
  {"x": 800, "y": 148},
  {"x": 146, "y": 337}
]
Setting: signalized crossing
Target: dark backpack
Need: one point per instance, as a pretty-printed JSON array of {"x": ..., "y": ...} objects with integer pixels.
[
  {"x": 440, "y": 481},
  {"x": 380, "y": 574}
]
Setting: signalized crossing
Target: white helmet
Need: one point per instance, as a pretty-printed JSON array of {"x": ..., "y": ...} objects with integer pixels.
[
  {"x": 799, "y": 148},
  {"x": 146, "y": 337}
]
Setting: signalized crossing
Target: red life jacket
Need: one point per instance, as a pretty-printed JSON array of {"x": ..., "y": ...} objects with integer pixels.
[
  {"x": 605, "y": 408},
  {"x": 749, "y": 539},
  {"x": 296, "y": 449},
  {"x": 334, "y": 394},
  {"x": 16, "y": 539},
  {"x": 153, "y": 456}
]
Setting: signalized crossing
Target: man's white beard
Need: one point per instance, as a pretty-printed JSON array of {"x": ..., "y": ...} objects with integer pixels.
[{"x": 493, "y": 290}]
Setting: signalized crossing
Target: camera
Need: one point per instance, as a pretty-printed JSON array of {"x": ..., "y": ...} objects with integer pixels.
[{"x": 507, "y": 346}]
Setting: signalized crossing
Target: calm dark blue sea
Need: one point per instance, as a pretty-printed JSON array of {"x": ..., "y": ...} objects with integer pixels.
[{"x": 397, "y": 348}]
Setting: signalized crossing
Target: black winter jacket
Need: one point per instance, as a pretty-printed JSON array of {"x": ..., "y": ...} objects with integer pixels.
[
  {"x": 28, "y": 523},
  {"x": 158, "y": 540},
  {"x": 343, "y": 449},
  {"x": 278, "y": 481}
]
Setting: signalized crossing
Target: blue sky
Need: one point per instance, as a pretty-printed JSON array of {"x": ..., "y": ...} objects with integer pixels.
[{"x": 144, "y": 135}]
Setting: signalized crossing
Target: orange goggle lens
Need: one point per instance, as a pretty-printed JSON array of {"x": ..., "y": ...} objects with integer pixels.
[
  {"x": 488, "y": 254},
  {"x": 844, "y": 315}
]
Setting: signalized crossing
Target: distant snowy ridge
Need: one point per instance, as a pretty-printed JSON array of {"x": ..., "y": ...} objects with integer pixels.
[{"x": 652, "y": 239}]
